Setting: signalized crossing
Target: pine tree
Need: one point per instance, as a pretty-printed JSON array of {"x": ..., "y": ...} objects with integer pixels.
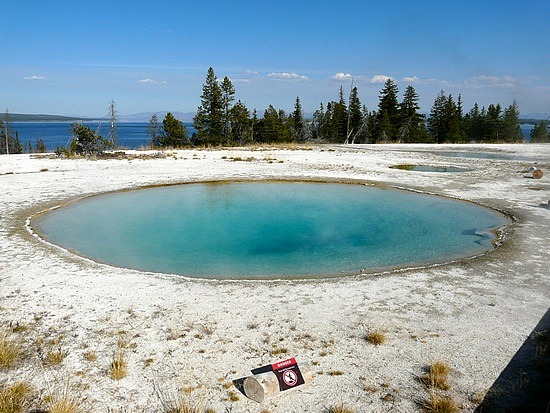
[
  {"x": 474, "y": 124},
  {"x": 153, "y": 129},
  {"x": 9, "y": 144},
  {"x": 228, "y": 96},
  {"x": 511, "y": 131},
  {"x": 318, "y": 123},
  {"x": 493, "y": 123},
  {"x": 40, "y": 146},
  {"x": 539, "y": 134},
  {"x": 298, "y": 125},
  {"x": 355, "y": 130},
  {"x": 87, "y": 141},
  {"x": 413, "y": 126},
  {"x": 388, "y": 112},
  {"x": 339, "y": 119},
  {"x": 175, "y": 132},
  {"x": 241, "y": 124},
  {"x": 209, "y": 119},
  {"x": 452, "y": 121},
  {"x": 436, "y": 121}
]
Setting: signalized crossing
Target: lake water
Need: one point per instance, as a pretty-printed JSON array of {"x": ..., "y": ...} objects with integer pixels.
[
  {"x": 269, "y": 229},
  {"x": 130, "y": 135}
]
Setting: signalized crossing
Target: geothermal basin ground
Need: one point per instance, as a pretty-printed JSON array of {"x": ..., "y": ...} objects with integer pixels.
[{"x": 194, "y": 339}]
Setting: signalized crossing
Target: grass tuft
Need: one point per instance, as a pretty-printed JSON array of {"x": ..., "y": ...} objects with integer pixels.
[
  {"x": 184, "y": 405},
  {"x": 55, "y": 356},
  {"x": 10, "y": 351},
  {"x": 436, "y": 375},
  {"x": 339, "y": 409},
  {"x": 15, "y": 398},
  {"x": 375, "y": 337},
  {"x": 439, "y": 404},
  {"x": 64, "y": 404},
  {"x": 90, "y": 356},
  {"x": 118, "y": 367}
]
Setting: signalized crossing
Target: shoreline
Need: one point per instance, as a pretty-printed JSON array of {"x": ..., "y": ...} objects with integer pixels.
[{"x": 200, "y": 335}]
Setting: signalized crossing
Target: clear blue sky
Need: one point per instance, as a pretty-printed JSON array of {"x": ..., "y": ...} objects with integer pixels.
[{"x": 73, "y": 57}]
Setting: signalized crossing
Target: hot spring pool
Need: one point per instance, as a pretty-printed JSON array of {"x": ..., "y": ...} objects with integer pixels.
[{"x": 260, "y": 230}]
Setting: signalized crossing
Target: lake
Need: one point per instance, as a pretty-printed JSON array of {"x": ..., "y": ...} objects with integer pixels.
[{"x": 130, "y": 135}]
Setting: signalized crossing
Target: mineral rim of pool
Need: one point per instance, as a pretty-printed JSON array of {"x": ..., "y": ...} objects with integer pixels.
[{"x": 264, "y": 230}]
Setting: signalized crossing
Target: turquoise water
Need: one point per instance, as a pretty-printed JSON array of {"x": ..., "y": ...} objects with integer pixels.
[{"x": 269, "y": 229}]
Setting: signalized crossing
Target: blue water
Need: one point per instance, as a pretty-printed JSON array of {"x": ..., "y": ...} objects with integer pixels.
[
  {"x": 269, "y": 230},
  {"x": 130, "y": 135}
]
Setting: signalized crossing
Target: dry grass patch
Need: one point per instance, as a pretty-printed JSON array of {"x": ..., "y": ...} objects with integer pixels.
[
  {"x": 55, "y": 356},
  {"x": 339, "y": 409},
  {"x": 439, "y": 404},
  {"x": 10, "y": 351},
  {"x": 375, "y": 337},
  {"x": 64, "y": 404},
  {"x": 118, "y": 368},
  {"x": 15, "y": 398},
  {"x": 90, "y": 356},
  {"x": 63, "y": 397},
  {"x": 436, "y": 375},
  {"x": 182, "y": 404}
]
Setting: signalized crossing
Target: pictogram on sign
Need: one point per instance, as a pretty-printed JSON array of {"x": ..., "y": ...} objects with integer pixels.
[{"x": 290, "y": 378}]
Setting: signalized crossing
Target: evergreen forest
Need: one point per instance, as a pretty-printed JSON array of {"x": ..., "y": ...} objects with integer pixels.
[{"x": 220, "y": 120}]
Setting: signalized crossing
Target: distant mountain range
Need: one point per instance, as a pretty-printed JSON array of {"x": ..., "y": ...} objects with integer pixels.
[
  {"x": 23, "y": 117},
  {"x": 182, "y": 116},
  {"x": 146, "y": 116},
  {"x": 134, "y": 117}
]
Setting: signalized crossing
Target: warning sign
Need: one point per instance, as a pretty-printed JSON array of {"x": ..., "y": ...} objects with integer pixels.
[{"x": 288, "y": 373}]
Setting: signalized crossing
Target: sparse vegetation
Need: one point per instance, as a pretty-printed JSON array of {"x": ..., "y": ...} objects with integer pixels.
[
  {"x": 64, "y": 404},
  {"x": 118, "y": 367},
  {"x": 375, "y": 337},
  {"x": 339, "y": 409},
  {"x": 90, "y": 356},
  {"x": 278, "y": 351},
  {"x": 439, "y": 404},
  {"x": 55, "y": 356},
  {"x": 15, "y": 398},
  {"x": 436, "y": 375},
  {"x": 182, "y": 404},
  {"x": 10, "y": 351}
]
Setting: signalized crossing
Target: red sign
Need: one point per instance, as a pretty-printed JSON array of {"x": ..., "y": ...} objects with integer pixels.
[{"x": 288, "y": 373}]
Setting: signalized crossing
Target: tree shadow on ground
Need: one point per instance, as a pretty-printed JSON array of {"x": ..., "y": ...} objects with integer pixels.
[{"x": 524, "y": 385}]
